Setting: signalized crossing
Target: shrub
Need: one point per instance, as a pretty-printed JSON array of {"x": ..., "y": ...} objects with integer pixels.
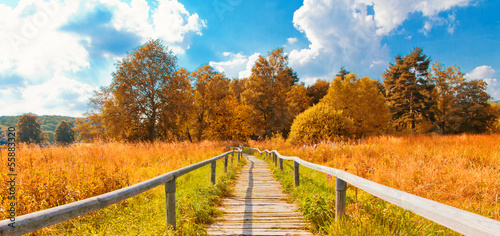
[{"x": 320, "y": 122}]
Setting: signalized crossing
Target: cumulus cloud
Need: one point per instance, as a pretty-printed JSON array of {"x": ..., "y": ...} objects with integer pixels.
[
  {"x": 345, "y": 33},
  {"x": 31, "y": 44},
  {"x": 41, "y": 41},
  {"x": 292, "y": 40},
  {"x": 488, "y": 74},
  {"x": 59, "y": 95},
  {"x": 238, "y": 65},
  {"x": 341, "y": 33}
]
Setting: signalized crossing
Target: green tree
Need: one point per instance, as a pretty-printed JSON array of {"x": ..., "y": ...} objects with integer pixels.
[
  {"x": 320, "y": 122},
  {"x": 409, "y": 89},
  {"x": 360, "y": 100},
  {"x": 64, "y": 133},
  {"x": 3, "y": 135},
  {"x": 317, "y": 91},
  {"x": 29, "y": 130},
  {"x": 270, "y": 81}
]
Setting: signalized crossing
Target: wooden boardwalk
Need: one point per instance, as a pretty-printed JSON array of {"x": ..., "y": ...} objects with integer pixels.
[{"x": 258, "y": 206}]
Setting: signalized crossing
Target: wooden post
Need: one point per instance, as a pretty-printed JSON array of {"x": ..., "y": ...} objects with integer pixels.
[
  {"x": 296, "y": 173},
  {"x": 281, "y": 164},
  {"x": 225, "y": 162},
  {"x": 170, "y": 198},
  {"x": 340, "y": 186},
  {"x": 239, "y": 154},
  {"x": 275, "y": 159},
  {"x": 213, "y": 165}
]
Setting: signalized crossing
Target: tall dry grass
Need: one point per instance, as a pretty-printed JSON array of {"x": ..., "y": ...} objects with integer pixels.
[
  {"x": 52, "y": 176},
  {"x": 462, "y": 171}
]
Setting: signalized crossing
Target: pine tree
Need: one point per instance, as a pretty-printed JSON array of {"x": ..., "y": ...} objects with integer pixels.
[
  {"x": 342, "y": 73},
  {"x": 409, "y": 90}
]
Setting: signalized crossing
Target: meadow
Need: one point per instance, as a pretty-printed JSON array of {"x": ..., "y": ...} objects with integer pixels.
[
  {"x": 53, "y": 176},
  {"x": 461, "y": 171}
]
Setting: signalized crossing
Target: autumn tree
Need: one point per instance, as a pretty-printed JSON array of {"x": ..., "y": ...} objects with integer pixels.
[
  {"x": 143, "y": 97},
  {"x": 218, "y": 113},
  {"x": 64, "y": 133},
  {"x": 321, "y": 122},
  {"x": 265, "y": 94},
  {"x": 211, "y": 105},
  {"x": 317, "y": 91},
  {"x": 29, "y": 129},
  {"x": 360, "y": 100},
  {"x": 89, "y": 129},
  {"x": 297, "y": 100},
  {"x": 408, "y": 90},
  {"x": 472, "y": 113},
  {"x": 237, "y": 86},
  {"x": 447, "y": 82},
  {"x": 342, "y": 73}
]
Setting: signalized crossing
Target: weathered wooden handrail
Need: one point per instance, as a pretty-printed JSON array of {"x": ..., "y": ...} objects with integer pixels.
[
  {"x": 461, "y": 221},
  {"x": 41, "y": 219}
]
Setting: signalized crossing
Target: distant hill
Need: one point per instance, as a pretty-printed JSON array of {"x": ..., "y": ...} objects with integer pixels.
[{"x": 49, "y": 124}]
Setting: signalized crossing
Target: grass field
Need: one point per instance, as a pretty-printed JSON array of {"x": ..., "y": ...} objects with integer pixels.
[
  {"x": 461, "y": 171},
  {"x": 53, "y": 176}
]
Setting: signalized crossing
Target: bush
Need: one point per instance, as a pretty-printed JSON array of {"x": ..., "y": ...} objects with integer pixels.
[{"x": 320, "y": 122}]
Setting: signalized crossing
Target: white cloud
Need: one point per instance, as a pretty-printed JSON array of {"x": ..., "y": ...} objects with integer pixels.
[
  {"x": 170, "y": 21},
  {"x": 31, "y": 44},
  {"x": 488, "y": 74},
  {"x": 238, "y": 65},
  {"x": 342, "y": 33},
  {"x": 481, "y": 72},
  {"x": 36, "y": 51},
  {"x": 292, "y": 40},
  {"x": 59, "y": 95}
]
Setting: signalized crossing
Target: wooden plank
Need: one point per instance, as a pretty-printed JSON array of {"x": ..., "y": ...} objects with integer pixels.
[{"x": 258, "y": 206}]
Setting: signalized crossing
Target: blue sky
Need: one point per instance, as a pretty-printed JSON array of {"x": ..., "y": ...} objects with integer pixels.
[{"x": 55, "y": 53}]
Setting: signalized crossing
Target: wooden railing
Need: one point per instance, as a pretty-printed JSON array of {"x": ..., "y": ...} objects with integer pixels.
[
  {"x": 461, "y": 221},
  {"x": 41, "y": 219}
]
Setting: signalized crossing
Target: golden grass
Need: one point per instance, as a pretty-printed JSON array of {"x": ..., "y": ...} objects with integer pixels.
[
  {"x": 52, "y": 176},
  {"x": 462, "y": 171}
]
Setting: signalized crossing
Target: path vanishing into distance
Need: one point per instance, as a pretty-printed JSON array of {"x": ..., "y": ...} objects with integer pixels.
[{"x": 258, "y": 206}]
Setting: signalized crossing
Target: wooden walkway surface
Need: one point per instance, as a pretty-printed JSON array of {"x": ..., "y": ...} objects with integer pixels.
[{"x": 258, "y": 206}]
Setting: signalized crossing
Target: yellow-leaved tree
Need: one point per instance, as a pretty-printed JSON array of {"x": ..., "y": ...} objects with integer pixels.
[
  {"x": 320, "y": 122},
  {"x": 145, "y": 99},
  {"x": 265, "y": 94},
  {"x": 361, "y": 100}
]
